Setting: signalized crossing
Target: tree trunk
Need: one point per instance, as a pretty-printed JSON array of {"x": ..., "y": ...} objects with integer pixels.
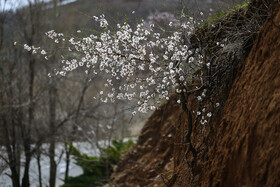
[
  {"x": 52, "y": 164},
  {"x": 74, "y": 128},
  {"x": 39, "y": 167},
  {"x": 12, "y": 162},
  {"x": 67, "y": 151},
  {"x": 27, "y": 150},
  {"x": 52, "y": 108}
]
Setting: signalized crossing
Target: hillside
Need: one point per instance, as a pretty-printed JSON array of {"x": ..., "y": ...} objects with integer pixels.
[{"x": 238, "y": 147}]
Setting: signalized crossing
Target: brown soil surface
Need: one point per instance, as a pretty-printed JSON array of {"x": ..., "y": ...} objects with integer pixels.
[
  {"x": 243, "y": 147},
  {"x": 151, "y": 158},
  {"x": 247, "y": 148}
]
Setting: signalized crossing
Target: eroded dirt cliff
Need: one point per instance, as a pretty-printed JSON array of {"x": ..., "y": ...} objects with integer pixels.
[
  {"x": 247, "y": 146},
  {"x": 241, "y": 144},
  {"x": 152, "y": 156}
]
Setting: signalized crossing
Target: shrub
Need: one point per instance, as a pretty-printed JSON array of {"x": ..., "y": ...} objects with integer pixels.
[{"x": 95, "y": 168}]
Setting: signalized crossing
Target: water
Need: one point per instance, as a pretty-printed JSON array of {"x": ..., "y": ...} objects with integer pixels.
[{"x": 74, "y": 170}]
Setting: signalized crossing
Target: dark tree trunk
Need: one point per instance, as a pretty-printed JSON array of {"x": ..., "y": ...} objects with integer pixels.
[
  {"x": 52, "y": 108},
  {"x": 27, "y": 150},
  {"x": 26, "y": 130},
  {"x": 68, "y": 148},
  {"x": 39, "y": 168},
  {"x": 11, "y": 156},
  {"x": 67, "y": 152},
  {"x": 52, "y": 164}
]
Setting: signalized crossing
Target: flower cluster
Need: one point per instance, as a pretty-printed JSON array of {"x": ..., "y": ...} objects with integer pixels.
[{"x": 137, "y": 63}]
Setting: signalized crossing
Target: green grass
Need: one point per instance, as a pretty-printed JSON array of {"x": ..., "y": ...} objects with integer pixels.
[{"x": 222, "y": 14}]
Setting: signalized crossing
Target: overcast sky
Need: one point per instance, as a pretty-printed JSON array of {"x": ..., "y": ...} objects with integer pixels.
[{"x": 13, "y": 4}]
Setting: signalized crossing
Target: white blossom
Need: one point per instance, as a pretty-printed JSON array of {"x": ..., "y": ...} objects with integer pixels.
[
  {"x": 27, "y": 47},
  {"x": 43, "y": 52},
  {"x": 133, "y": 59},
  {"x": 209, "y": 114}
]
